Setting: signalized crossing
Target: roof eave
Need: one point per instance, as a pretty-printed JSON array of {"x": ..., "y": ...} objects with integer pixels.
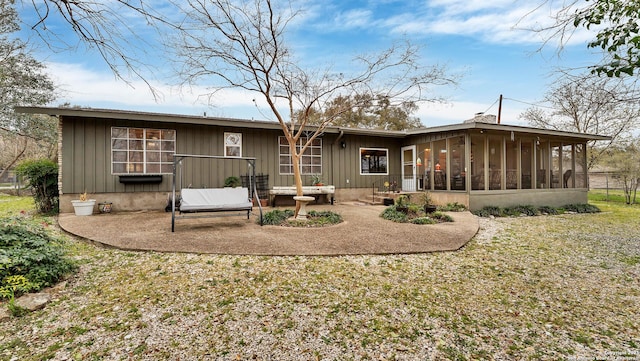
[
  {"x": 261, "y": 124},
  {"x": 507, "y": 128}
]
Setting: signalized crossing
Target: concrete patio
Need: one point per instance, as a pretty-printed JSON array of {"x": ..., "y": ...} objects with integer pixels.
[{"x": 362, "y": 232}]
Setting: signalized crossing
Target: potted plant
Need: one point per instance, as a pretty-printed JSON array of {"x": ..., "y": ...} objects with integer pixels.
[
  {"x": 427, "y": 202},
  {"x": 105, "y": 207},
  {"x": 316, "y": 180},
  {"x": 83, "y": 206},
  {"x": 232, "y": 182},
  {"x": 402, "y": 204}
]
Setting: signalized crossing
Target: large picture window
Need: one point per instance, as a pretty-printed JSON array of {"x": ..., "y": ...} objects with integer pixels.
[
  {"x": 142, "y": 151},
  {"x": 373, "y": 161},
  {"x": 310, "y": 162}
]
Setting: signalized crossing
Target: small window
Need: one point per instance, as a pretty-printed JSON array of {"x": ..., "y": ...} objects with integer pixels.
[
  {"x": 233, "y": 145},
  {"x": 142, "y": 151},
  {"x": 374, "y": 161}
]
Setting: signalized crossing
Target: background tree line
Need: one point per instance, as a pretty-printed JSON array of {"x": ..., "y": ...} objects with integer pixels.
[{"x": 243, "y": 44}]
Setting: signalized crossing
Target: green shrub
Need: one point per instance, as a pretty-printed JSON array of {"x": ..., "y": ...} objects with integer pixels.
[
  {"x": 30, "y": 257},
  {"x": 453, "y": 207},
  {"x": 415, "y": 215},
  {"x": 442, "y": 217},
  {"x": 488, "y": 211},
  {"x": 315, "y": 218},
  {"x": 423, "y": 220},
  {"x": 324, "y": 217},
  {"x": 277, "y": 216},
  {"x": 549, "y": 210},
  {"x": 519, "y": 210},
  {"x": 42, "y": 175},
  {"x": 581, "y": 208},
  {"x": 390, "y": 213},
  {"x": 232, "y": 181},
  {"x": 533, "y": 211}
]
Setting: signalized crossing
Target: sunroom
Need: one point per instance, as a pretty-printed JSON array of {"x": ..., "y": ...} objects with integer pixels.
[{"x": 480, "y": 164}]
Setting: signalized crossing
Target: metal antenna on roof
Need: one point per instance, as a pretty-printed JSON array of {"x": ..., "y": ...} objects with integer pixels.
[
  {"x": 500, "y": 109},
  {"x": 260, "y": 111}
]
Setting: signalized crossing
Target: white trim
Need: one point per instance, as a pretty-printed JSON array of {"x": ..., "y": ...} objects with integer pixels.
[
  {"x": 314, "y": 168},
  {"x": 232, "y": 141},
  {"x": 144, "y": 150},
  {"x": 408, "y": 184},
  {"x": 386, "y": 172}
]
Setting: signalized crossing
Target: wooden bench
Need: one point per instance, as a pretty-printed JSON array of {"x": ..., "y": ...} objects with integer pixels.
[{"x": 315, "y": 191}]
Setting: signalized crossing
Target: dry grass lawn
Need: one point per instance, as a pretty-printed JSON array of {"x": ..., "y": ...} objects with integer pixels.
[{"x": 548, "y": 287}]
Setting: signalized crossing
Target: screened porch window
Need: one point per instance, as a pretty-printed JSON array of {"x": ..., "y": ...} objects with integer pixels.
[
  {"x": 310, "y": 161},
  {"x": 142, "y": 151},
  {"x": 373, "y": 161}
]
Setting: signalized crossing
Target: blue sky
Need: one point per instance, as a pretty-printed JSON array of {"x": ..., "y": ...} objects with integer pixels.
[{"x": 484, "y": 41}]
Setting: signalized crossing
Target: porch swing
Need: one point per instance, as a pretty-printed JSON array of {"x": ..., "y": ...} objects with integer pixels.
[{"x": 195, "y": 201}]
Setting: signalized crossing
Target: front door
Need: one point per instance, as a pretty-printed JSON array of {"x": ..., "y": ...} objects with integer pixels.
[{"x": 408, "y": 159}]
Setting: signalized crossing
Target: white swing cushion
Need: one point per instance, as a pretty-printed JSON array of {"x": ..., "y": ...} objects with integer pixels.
[{"x": 214, "y": 199}]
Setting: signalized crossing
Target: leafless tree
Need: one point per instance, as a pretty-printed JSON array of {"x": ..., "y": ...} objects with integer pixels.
[
  {"x": 589, "y": 104},
  {"x": 624, "y": 160},
  {"x": 243, "y": 45},
  {"x": 120, "y": 31},
  {"x": 22, "y": 82}
]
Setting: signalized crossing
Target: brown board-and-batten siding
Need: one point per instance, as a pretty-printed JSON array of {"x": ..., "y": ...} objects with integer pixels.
[
  {"x": 86, "y": 155},
  {"x": 346, "y": 161},
  {"x": 209, "y": 140}
]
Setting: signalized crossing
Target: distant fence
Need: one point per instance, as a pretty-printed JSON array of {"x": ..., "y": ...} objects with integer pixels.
[{"x": 603, "y": 180}]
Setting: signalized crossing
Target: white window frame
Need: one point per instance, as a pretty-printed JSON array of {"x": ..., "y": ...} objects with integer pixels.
[
  {"x": 386, "y": 150},
  {"x": 232, "y": 145},
  {"x": 165, "y": 148},
  {"x": 307, "y": 164}
]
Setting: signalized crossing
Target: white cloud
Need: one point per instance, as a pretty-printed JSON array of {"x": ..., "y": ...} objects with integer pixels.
[
  {"x": 81, "y": 86},
  {"x": 498, "y": 21},
  {"x": 357, "y": 18}
]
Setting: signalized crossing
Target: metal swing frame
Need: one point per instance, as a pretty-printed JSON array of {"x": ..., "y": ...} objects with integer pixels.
[{"x": 177, "y": 163}]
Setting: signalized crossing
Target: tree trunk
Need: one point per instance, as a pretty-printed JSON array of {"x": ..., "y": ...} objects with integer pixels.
[
  {"x": 627, "y": 189},
  {"x": 297, "y": 176},
  {"x": 6, "y": 169}
]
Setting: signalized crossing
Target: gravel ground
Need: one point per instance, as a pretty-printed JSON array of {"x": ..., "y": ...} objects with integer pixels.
[
  {"x": 549, "y": 287},
  {"x": 361, "y": 232}
]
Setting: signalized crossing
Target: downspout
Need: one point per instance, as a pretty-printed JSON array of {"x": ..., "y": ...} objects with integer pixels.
[{"x": 337, "y": 141}]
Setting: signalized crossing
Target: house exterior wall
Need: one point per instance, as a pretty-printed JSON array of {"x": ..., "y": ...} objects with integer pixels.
[
  {"x": 85, "y": 161},
  {"x": 537, "y": 197}
]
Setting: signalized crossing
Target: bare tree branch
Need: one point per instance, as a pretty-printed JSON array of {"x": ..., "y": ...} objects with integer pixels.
[
  {"x": 225, "y": 44},
  {"x": 589, "y": 104}
]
